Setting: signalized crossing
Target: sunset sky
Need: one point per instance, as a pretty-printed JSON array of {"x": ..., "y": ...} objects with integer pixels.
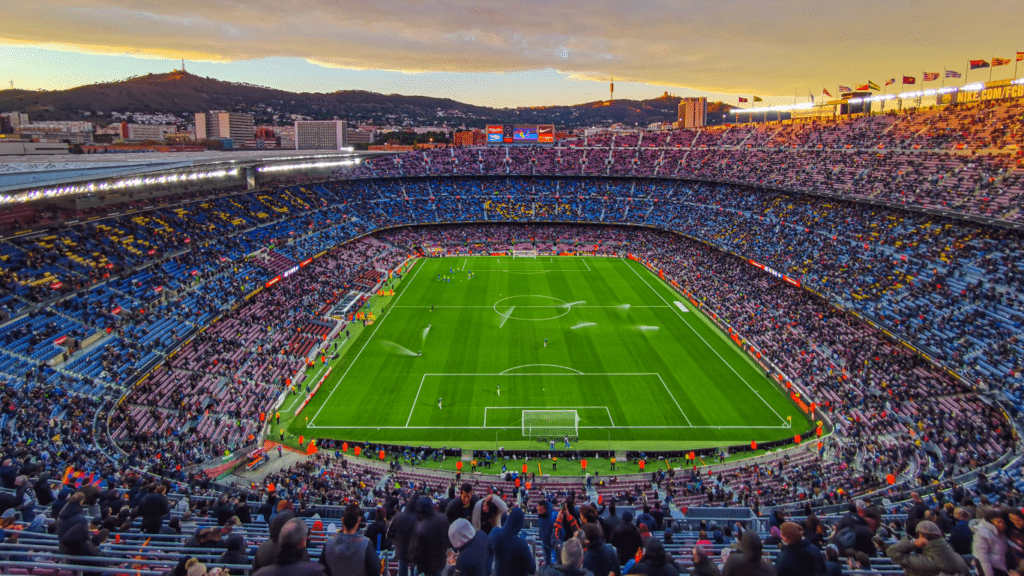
[{"x": 513, "y": 52}]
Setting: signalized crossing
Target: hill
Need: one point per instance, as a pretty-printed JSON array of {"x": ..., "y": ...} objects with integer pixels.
[{"x": 182, "y": 94}]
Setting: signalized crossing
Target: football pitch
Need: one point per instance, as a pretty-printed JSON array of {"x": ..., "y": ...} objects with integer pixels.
[{"x": 492, "y": 337}]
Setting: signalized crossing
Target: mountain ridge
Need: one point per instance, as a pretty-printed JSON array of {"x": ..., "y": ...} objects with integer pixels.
[{"x": 181, "y": 94}]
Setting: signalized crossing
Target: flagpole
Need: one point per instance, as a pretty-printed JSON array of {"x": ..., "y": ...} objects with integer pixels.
[{"x": 991, "y": 63}]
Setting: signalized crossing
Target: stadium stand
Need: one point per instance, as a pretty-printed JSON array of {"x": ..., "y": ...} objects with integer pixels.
[{"x": 138, "y": 348}]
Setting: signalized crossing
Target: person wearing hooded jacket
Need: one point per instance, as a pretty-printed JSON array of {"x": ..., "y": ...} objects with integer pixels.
[
  {"x": 798, "y": 557},
  {"x": 471, "y": 546},
  {"x": 350, "y": 553},
  {"x": 512, "y": 556},
  {"x": 429, "y": 539},
  {"x": 990, "y": 547},
  {"x": 656, "y": 562},
  {"x": 401, "y": 533}
]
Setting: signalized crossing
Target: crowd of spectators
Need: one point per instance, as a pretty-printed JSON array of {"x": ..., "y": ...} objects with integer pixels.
[{"x": 174, "y": 289}]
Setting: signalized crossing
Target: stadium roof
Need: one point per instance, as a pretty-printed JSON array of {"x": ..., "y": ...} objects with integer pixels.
[{"x": 30, "y": 172}]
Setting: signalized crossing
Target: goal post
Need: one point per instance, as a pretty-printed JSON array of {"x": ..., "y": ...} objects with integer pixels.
[
  {"x": 524, "y": 254},
  {"x": 540, "y": 424}
]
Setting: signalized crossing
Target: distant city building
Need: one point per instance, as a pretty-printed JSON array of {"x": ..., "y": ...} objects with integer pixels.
[
  {"x": 320, "y": 134},
  {"x": 15, "y": 118},
  {"x": 470, "y": 138},
  {"x": 358, "y": 137},
  {"x": 693, "y": 112},
  {"x": 32, "y": 148},
  {"x": 221, "y": 125},
  {"x": 145, "y": 132}
]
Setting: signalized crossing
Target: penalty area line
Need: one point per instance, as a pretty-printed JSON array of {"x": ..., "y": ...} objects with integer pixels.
[{"x": 367, "y": 343}]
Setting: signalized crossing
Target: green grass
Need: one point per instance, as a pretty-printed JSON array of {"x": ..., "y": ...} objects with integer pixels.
[{"x": 641, "y": 372}]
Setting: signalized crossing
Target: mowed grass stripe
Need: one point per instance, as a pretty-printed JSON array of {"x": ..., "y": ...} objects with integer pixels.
[{"x": 379, "y": 391}]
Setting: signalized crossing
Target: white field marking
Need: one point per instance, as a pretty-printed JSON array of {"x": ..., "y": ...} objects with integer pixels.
[
  {"x": 505, "y": 317},
  {"x": 376, "y": 329},
  {"x": 535, "y": 408},
  {"x": 541, "y": 271},
  {"x": 486, "y": 408},
  {"x": 464, "y": 264},
  {"x": 672, "y": 396},
  {"x": 583, "y": 325},
  {"x": 681, "y": 317},
  {"x": 580, "y": 303},
  {"x": 414, "y": 400},
  {"x": 554, "y": 306},
  {"x": 505, "y": 374},
  {"x": 587, "y": 265},
  {"x": 502, "y": 373},
  {"x": 682, "y": 307}
]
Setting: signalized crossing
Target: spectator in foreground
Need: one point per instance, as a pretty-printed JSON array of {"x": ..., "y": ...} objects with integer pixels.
[
  {"x": 267, "y": 551},
  {"x": 798, "y": 557},
  {"x": 235, "y": 554},
  {"x": 747, "y": 561},
  {"x": 471, "y": 546},
  {"x": 599, "y": 557},
  {"x": 990, "y": 545},
  {"x": 350, "y": 552},
  {"x": 292, "y": 558},
  {"x": 703, "y": 565},
  {"x": 430, "y": 538},
  {"x": 927, "y": 555},
  {"x": 572, "y": 561},
  {"x": 512, "y": 556}
]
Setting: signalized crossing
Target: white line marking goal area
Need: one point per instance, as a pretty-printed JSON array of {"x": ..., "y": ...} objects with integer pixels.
[{"x": 497, "y": 400}]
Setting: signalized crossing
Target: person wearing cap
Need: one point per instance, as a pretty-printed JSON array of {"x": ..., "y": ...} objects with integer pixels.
[
  {"x": 798, "y": 556},
  {"x": 471, "y": 546},
  {"x": 626, "y": 538},
  {"x": 833, "y": 567},
  {"x": 927, "y": 555}
]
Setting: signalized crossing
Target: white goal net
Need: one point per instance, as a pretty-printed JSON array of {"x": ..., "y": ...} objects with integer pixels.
[
  {"x": 524, "y": 254},
  {"x": 542, "y": 424}
]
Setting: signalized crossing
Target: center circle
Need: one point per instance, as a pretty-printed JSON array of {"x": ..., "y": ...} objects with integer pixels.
[{"x": 531, "y": 307}]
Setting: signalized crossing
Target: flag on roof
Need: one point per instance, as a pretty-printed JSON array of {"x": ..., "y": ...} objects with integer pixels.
[
  {"x": 975, "y": 64},
  {"x": 909, "y": 80},
  {"x": 873, "y": 86},
  {"x": 742, "y": 99},
  {"x": 930, "y": 76},
  {"x": 1000, "y": 61},
  {"x": 890, "y": 81},
  {"x": 953, "y": 74},
  {"x": 845, "y": 89},
  {"x": 758, "y": 99},
  {"x": 825, "y": 92},
  {"x": 1020, "y": 56}
]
